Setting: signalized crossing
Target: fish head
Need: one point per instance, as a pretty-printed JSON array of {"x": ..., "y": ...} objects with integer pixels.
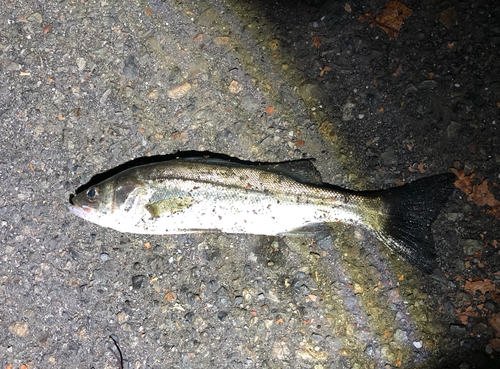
[
  {"x": 95, "y": 203},
  {"x": 117, "y": 202}
]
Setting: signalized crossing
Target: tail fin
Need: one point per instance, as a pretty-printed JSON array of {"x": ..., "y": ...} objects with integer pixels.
[{"x": 407, "y": 215}]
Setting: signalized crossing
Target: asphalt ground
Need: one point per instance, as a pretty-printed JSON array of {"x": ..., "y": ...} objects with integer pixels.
[{"x": 87, "y": 86}]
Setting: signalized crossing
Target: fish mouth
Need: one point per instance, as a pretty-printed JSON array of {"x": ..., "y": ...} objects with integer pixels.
[{"x": 75, "y": 208}]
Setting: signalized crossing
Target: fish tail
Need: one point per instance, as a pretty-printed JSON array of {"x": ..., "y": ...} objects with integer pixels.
[{"x": 404, "y": 223}]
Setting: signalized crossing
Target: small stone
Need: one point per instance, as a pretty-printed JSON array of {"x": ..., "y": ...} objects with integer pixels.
[
  {"x": 153, "y": 95},
  {"x": 179, "y": 91},
  {"x": 81, "y": 63},
  {"x": 170, "y": 296},
  {"x": 317, "y": 337},
  {"x": 131, "y": 68},
  {"x": 235, "y": 87},
  {"x": 238, "y": 300},
  {"x": 471, "y": 247},
  {"x": 389, "y": 156},
  {"x": 458, "y": 329},
  {"x": 429, "y": 84},
  {"x": 301, "y": 288},
  {"x": 13, "y": 67},
  {"x": 273, "y": 44},
  {"x": 417, "y": 345},
  {"x": 400, "y": 335},
  {"x": 99, "y": 275},
  {"x": 222, "y": 315},
  {"x": 121, "y": 318},
  {"x": 358, "y": 289},
  {"x": 43, "y": 337},
  {"x": 303, "y": 354},
  {"x": 189, "y": 317},
  {"x": 104, "y": 256},
  {"x": 223, "y": 297},
  {"x": 139, "y": 281},
  {"x": 369, "y": 350},
  {"x": 181, "y": 137},
  {"x": 347, "y": 111},
  {"x": 223, "y": 40},
  {"x": 35, "y": 17},
  {"x": 325, "y": 243},
  {"x": 280, "y": 349},
  {"x": 129, "y": 91},
  {"x": 19, "y": 328}
]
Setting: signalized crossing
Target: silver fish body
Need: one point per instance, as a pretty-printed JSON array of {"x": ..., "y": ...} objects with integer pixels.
[
  {"x": 182, "y": 196},
  {"x": 200, "y": 195}
]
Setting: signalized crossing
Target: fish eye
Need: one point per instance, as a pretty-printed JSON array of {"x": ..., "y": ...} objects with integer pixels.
[{"x": 92, "y": 194}]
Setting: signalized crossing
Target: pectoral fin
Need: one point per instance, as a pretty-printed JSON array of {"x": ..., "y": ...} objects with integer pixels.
[{"x": 170, "y": 205}]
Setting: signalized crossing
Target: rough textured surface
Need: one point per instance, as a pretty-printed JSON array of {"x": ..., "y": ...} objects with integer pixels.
[{"x": 88, "y": 85}]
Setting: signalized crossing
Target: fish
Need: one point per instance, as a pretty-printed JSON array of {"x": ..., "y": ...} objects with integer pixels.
[{"x": 198, "y": 195}]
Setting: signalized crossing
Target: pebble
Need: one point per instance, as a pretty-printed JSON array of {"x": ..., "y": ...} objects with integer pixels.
[
  {"x": 139, "y": 281},
  {"x": 471, "y": 247},
  {"x": 222, "y": 315},
  {"x": 400, "y": 335},
  {"x": 317, "y": 337},
  {"x": 179, "y": 91},
  {"x": 223, "y": 297},
  {"x": 35, "y": 17},
  {"x": 13, "y": 67},
  {"x": 104, "y": 256},
  {"x": 280, "y": 349},
  {"x": 170, "y": 296},
  {"x": 238, "y": 300},
  {"x": 325, "y": 243},
  {"x": 73, "y": 253},
  {"x": 19, "y": 329},
  {"x": 301, "y": 288},
  {"x": 369, "y": 350},
  {"x": 81, "y": 63},
  {"x": 428, "y": 85},
  {"x": 458, "y": 329},
  {"x": 189, "y": 317},
  {"x": 131, "y": 68},
  {"x": 389, "y": 156},
  {"x": 417, "y": 344}
]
